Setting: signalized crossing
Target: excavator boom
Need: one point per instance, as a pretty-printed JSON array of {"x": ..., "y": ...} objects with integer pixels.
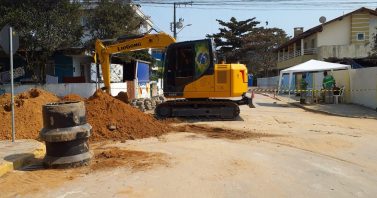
[{"x": 103, "y": 52}]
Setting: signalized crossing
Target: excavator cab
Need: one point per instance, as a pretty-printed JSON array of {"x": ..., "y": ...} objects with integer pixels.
[
  {"x": 198, "y": 86},
  {"x": 185, "y": 62}
]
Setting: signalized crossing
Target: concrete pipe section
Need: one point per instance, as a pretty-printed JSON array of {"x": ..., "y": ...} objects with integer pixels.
[{"x": 66, "y": 134}]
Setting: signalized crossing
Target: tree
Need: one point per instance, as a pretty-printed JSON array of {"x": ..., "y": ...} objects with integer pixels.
[
  {"x": 44, "y": 26},
  {"x": 111, "y": 19},
  {"x": 114, "y": 19},
  {"x": 374, "y": 46},
  {"x": 262, "y": 43},
  {"x": 230, "y": 41},
  {"x": 254, "y": 46}
]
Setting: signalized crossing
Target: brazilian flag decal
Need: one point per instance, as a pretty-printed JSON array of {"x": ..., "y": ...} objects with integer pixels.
[{"x": 202, "y": 58}]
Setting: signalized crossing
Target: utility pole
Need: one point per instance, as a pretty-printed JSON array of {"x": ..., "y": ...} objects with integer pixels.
[
  {"x": 175, "y": 4},
  {"x": 11, "y": 81},
  {"x": 175, "y": 21}
]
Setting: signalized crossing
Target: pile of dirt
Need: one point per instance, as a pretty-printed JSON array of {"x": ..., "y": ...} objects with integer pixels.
[
  {"x": 135, "y": 160},
  {"x": 73, "y": 97},
  {"x": 28, "y": 113},
  {"x": 215, "y": 132},
  {"x": 115, "y": 120},
  {"x": 122, "y": 96},
  {"x": 110, "y": 117}
]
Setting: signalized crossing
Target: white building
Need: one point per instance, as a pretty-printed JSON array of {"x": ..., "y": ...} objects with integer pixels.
[{"x": 347, "y": 36}]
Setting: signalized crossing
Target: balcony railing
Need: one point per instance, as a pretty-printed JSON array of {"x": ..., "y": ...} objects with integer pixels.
[{"x": 287, "y": 56}]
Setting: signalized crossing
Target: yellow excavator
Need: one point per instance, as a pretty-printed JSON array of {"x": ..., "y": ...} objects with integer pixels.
[{"x": 194, "y": 83}]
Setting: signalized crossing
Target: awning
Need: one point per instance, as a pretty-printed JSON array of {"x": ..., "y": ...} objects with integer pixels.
[
  {"x": 311, "y": 66},
  {"x": 315, "y": 65}
]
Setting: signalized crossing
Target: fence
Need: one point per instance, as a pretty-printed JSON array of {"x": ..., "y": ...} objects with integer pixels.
[
  {"x": 294, "y": 54},
  {"x": 360, "y": 84},
  {"x": 271, "y": 82}
]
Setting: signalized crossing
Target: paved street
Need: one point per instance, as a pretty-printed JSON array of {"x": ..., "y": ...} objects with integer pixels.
[{"x": 296, "y": 154}]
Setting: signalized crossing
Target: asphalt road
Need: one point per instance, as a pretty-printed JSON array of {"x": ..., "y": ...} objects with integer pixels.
[{"x": 308, "y": 155}]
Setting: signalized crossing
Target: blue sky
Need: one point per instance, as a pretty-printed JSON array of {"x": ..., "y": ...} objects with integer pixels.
[{"x": 284, "y": 14}]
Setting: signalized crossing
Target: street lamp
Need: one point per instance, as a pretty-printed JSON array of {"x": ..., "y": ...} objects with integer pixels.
[
  {"x": 183, "y": 27},
  {"x": 177, "y": 25}
]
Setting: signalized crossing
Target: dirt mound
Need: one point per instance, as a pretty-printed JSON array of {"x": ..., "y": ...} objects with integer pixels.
[
  {"x": 122, "y": 96},
  {"x": 5, "y": 98},
  {"x": 215, "y": 132},
  {"x": 136, "y": 160},
  {"x": 73, "y": 97},
  {"x": 28, "y": 113},
  {"x": 110, "y": 118},
  {"x": 113, "y": 119}
]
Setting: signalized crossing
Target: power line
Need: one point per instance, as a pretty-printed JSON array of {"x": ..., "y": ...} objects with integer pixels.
[
  {"x": 260, "y": 1},
  {"x": 250, "y": 9},
  {"x": 263, "y": 5},
  {"x": 294, "y": 4}
]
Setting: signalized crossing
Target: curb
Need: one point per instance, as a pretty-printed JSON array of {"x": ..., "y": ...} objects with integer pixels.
[
  {"x": 328, "y": 113},
  {"x": 21, "y": 161},
  {"x": 267, "y": 95}
]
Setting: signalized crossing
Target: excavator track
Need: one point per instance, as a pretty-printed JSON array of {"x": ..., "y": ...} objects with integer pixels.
[{"x": 211, "y": 108}]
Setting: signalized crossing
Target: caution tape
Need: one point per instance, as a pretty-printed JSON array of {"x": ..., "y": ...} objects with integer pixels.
[
  {"x": 307, "y": 90},
  {"x": 363, "y": 89}
]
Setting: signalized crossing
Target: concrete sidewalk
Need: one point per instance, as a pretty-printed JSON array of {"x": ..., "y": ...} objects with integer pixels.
[
  {"x": 14, "y": 155},
  {"x": 344, "y": 110}
]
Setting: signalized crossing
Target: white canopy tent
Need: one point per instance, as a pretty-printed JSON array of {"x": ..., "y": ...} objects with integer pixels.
[{"x": 310, "y": 66}]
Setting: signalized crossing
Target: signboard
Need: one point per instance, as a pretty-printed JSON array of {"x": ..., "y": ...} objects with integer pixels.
[
  {"x": 142, "y": 69},
  {"x": 17, "y": 72},
  {"x": 116, "y": 72},
  {"x": 4, "y": 40}
]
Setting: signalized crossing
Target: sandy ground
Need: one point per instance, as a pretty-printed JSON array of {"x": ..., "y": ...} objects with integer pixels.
[{"x": 291, "y": 153}]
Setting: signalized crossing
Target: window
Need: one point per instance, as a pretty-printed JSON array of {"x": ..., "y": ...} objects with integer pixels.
[
  {"x": 185, "y": 62},
  {"x": 360, "y": 36}
]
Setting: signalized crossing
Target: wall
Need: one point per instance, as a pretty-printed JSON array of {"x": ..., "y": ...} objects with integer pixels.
[
  {"x": 63, "y": 67},
  {"x": 335, "y": 33},
  {"x": 295, "y": 61},
  {"x": 343, "y": 51},
  {"x": 83, "y": 89},
  {"x": 360, "y": 24},
  {"x": 308, "y": 41},
  {"x": 342, "y": 78},
  {"x": 372, "y": 27},
  {"x": 85, "y": 61},
  {"x": 364, "y": 87},
  {"x": 76, "y": 66}
]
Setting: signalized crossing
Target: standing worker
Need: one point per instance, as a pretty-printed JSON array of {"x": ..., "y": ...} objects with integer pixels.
[
  {"x": 303, "y": 87},
  {"x": 328, "y": 84}
]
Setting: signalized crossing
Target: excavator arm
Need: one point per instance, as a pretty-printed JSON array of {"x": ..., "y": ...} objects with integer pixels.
[{"x": 103, "y": 52}]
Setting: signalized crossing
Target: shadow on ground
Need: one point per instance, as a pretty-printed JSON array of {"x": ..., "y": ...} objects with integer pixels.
[
  {"x": 25, "y": 162},
  {"x": 265, "y": 104},
  {"x": 197, "y": 119}
]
